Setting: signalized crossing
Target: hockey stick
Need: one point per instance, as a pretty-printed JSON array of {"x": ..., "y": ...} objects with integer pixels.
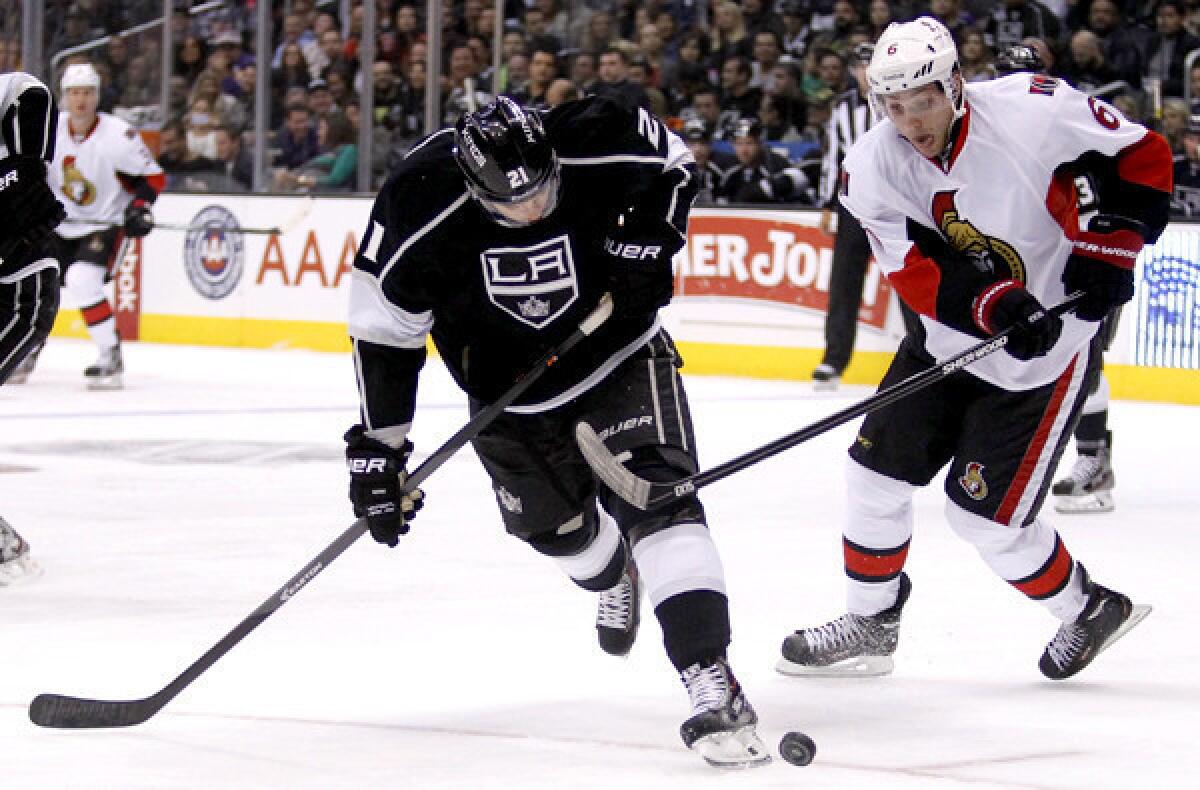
[
  {"x": 288, "y": 225},
  {"x": 56, "y": 710},
  {"x": 649, "y": 495}
]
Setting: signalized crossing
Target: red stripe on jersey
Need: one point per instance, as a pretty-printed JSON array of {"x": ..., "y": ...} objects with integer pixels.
[
  {"x": 1148, "y": 162},
  {"x": 866, "y": 564},
  {"x": 1062, "y": 201},
  {"x": 917, "y": 283},
  {"x": 101, "y": 311},
  {"x": 1036, "y": 447},
  {"x": 1051, "y": 577}
]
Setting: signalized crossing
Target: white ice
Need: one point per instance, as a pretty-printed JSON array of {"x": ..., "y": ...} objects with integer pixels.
[{"x": 165, "y": 513}]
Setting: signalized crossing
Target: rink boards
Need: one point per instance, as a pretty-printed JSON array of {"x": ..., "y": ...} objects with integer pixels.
[{"x": 752, "y": 287}]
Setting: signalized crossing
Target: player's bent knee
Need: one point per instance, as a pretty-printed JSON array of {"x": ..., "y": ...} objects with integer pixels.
[
  {"x": 875, "y": 493},
  {"x": 678, "y": 559},
  {"x": 589, "y": 549}
]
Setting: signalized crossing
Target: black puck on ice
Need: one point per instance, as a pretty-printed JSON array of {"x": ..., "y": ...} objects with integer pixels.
[{"x": 797, "y": 748}]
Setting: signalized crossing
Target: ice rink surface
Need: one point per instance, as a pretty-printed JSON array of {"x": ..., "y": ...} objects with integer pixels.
[{"x": 166, "y": 513}]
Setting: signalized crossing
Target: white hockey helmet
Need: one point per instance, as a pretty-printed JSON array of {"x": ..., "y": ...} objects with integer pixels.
[
  {"x": 80, "y": 75},
  {"x": 909, "y": 55}
]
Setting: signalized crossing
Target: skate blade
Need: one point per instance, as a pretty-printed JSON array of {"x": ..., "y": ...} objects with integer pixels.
[
  {"x": 1097, "y": 502},
  {"x": 1139, "y": 613},
  {"x": 18, "y": 378},
  {"x": 825, "y": 386},
  {"x": 105, "y": 383},
  {"x": 733, "y": 750},
  {"x": 18, "y": 571},
  {"x": 857, "y": 667}
]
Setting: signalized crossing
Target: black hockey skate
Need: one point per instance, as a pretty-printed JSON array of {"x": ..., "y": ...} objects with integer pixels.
[
  {"x": 851, "y": 645},
  {"x": 1088, "y": 488},
  {"x": 618, "y": 613},
  {"x": 23, "y": 371},
  {"x": 825, "y": 378},
  {"x": 721, "y": 727},
  {"x": 105, "y": 372},
  {"x": 1107, "y": 616},
  {"x": 15, "y": 562}
]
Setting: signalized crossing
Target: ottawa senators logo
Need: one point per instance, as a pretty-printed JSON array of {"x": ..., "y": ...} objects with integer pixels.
[
  {"x": 989, "y": 253},
  {"x": 75, "y": 184},
  {"x": 973, "y": 483}
]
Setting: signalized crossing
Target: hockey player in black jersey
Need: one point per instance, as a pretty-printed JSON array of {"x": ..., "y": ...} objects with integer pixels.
[
  {"x": 496, "y": 238},
  {"x": 28, "y": 277}
]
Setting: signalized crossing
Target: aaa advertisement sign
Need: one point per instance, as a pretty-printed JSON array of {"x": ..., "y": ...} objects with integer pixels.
[{"x": 769, "y": 259}]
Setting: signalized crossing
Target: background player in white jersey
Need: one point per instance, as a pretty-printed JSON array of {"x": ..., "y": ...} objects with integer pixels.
[
  {"x": 968, "y": 197},
  {"x": 107, "y": 179},
  {"x": 496, "y": 239},
  {"x": 28, "y": 275}
]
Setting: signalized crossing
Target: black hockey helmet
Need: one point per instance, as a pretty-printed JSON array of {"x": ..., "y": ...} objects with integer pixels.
[
  {"x": 1018, "y": 58},
  {"x": 503, "y": 151}
]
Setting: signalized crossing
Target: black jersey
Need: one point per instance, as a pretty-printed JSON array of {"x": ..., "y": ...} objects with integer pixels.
[{"x": 496, "y": 298}]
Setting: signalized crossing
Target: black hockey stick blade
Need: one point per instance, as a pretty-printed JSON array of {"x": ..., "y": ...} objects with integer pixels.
[
  {"x": 65, "y": 712},
  {"x": 649, "y": 495},
  {"x": 56, "y": 710}
]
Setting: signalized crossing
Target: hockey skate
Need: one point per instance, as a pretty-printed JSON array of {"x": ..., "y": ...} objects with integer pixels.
[
  {"x": 15, "y": 562},
  {"x": 825, "y": 378},
  {"x": 618, "y": 614},
  {"x": 1088, "y": 488},
  {"x": 852, "y": 645},
  {"x": 21, "y": 374},
  {"x": 105, "y": 372},
  {"x": 721, "y": 727},
  {"x": 1107, "y": 616}
]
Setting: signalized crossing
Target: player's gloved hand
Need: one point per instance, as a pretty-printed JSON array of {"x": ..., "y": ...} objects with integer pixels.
[
  {"x": 638, "y": 253},
  {"x": 29, "y": 207},
  {"x": 1102, "y": 264},
  {"x": 377, "y": 475},
  {"x": 139, "y": 219},
  {"x": 1007, "y": 305}
]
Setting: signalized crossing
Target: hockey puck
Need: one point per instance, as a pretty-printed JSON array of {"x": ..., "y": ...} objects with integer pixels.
[{"x": 797, "y": 748}]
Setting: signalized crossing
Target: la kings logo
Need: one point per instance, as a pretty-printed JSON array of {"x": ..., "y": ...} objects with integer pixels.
[{"x": 534, "y": 284}]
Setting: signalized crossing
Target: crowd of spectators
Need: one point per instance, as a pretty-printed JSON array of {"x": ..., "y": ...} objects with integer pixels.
[{"x": 782, "y": 64}]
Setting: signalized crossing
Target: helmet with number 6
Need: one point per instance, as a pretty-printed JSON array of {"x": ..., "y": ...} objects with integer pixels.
[
  {"x": 912, "y": 54},
  {"x": 503, "y": 152}
]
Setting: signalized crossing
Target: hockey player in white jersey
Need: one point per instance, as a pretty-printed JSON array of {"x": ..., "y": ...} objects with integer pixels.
[
  {"x": 967, "y": 194},
  {"x": 107, "y": 179},
  {"x": 28, "y": 275}
]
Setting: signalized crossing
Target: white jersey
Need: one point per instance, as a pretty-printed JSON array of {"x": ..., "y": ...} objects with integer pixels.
[
  {"x": 85, "y": 174},
  {"x": 999, "y": 192}
]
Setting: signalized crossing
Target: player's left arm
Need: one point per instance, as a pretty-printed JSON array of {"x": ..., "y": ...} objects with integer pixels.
[
  {"x": 1129, "y": 172},
  {"x": 29, "y": 126},
  {"x": 141, "y": 177}
]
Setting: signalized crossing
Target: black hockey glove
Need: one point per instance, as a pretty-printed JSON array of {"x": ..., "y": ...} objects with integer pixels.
[
  {"x": 1102, "y": 264},
  {"x": 377, "y": 475},
  {"x": 30, "y": 210},
  {"x": 638, "y": 255},
  {"x": 1007, "y": 305},
  {"x": 139, "y": 219}
]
